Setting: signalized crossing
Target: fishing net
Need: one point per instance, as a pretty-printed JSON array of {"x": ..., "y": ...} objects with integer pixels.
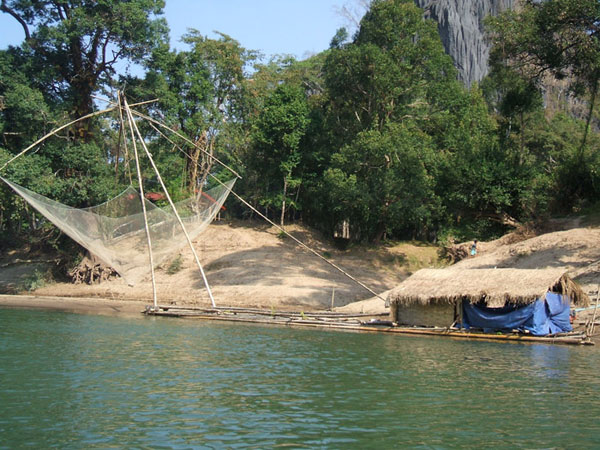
[{"x": 115, "y": 231}]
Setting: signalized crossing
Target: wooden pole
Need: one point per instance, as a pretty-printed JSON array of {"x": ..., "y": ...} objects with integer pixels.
[
  {"x": 124, "y": 138},
  {"x": 143, "y": 200},
  {"x": 105, "y": 100},
  {"x": 189, "y": 240},
  {"x": 262, "y": 215},
  {"x": 278, "y": 227},
  {"x": 160, "y": 124},
  {"x": 595, "y": 310}
]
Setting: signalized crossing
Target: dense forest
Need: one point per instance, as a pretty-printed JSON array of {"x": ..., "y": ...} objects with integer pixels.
[{"x": 375, "y": 132}]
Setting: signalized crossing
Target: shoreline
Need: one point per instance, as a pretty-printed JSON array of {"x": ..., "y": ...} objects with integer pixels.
[
  {"x": 80, "y": 305},
  {"x": 136, "y": 308}
]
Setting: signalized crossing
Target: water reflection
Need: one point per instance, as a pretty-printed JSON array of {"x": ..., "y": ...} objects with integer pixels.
[{"x": 86, "y": 381}]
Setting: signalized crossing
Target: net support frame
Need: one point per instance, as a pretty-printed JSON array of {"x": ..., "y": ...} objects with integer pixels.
[
  {"x": 187, "y": 236},
  {"x": 142, "y": 197}
]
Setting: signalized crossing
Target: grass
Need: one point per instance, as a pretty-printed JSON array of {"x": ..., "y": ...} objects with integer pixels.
[
  {"x": 175, "y": 265},
  {"x": 412, "y": 255},
  {"x": 36, "y": 280}
]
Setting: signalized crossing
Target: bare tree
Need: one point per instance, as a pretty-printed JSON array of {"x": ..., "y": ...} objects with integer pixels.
[{"x": 352, "y": 12}]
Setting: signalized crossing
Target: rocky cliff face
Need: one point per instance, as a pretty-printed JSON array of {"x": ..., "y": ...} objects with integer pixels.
[{"x": 460, "y": 23}]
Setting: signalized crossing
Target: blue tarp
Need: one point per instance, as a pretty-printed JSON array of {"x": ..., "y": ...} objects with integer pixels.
[{"x": 547, "y": 315}]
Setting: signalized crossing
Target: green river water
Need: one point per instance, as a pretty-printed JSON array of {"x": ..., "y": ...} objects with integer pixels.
[{"x": 83, "y": 381}]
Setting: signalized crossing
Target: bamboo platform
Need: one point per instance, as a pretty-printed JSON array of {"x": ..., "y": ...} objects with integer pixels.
[{"x": 370, "y": 323}]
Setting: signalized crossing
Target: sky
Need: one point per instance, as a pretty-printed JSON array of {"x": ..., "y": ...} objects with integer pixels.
[{"x": 296, "y": 27}]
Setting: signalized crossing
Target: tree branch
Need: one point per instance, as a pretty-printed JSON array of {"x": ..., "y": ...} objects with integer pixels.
[
  {"x": 59, "y": 10},
  {"x": 6, "y": 9}
]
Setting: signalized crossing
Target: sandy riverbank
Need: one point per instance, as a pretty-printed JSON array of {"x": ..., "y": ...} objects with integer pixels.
[
  {"x": 250, "y": 266},
  {"x": 73, "y": 304}
]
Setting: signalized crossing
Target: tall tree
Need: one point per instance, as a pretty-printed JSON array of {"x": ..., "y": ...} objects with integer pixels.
[
  {"x": 81, "y": 41},
  {"x": 202, "y": 92},
  {"x": 389, "y": 91},
  {"x": 277, "y": 134}
]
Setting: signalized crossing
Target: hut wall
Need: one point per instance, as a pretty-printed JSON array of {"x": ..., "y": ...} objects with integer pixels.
[{"x": 430, "y": 315}]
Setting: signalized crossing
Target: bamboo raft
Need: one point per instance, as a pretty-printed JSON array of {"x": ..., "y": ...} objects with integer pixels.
[{"x": 370, "y": 323}]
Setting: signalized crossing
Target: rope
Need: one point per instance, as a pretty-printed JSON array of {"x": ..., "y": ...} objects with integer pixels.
[
  {"x": 302, "y": 244},
  {"x": 151, "y": 120}
]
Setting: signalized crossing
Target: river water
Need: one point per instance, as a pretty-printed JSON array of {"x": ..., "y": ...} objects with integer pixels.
[{"x": 83, "y": 381}]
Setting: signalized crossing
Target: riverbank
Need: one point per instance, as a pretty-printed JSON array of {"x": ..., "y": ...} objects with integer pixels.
[
  {"x": 249, "y": 265},
  {"x": 73, "y": 304}
]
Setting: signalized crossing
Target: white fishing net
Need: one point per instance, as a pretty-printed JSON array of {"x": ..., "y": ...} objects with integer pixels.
[{"x": 115, "y": 232}]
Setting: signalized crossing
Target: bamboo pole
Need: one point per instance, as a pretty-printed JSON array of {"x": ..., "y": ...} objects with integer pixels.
[
  {"x": 187, "y": 236},
  {"x": 56, "y": 130},
  {"x": 595, "y": 310},
  {"x": 441, "y": 332},
  {"x": 150, "y": 119},
  {"x": 124, "y": 138},
  {"x": 143, "y": 200},
  {"x": 105, "y": 100}
]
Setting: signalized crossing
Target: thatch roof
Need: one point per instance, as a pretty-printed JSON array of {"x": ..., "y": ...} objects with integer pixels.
[{"x": 495, "y": 287}]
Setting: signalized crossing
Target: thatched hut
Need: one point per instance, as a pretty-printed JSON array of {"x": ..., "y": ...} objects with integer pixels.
[{"x": 442, "y": 297}]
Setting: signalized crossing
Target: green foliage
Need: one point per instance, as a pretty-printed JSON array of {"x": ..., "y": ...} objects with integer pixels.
[
  {"x": 36, "y": 280},
  {"x": 175, "y": 265},
  {"x": 202, "y": 93},
  {"x": 380, "y": 183},
  {"x": 560, "y": 38},
  {"x": 276, "y": 135},
  {"x": 76, "y": 44},
  {"x": 375, "y": 132}
]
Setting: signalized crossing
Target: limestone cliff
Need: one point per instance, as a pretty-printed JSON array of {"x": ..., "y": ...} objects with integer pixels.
[{"x": 460, "y": 23}]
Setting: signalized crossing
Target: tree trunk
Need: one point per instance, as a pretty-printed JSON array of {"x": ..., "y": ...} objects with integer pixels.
[
  {"x": 192, "y": 162},
  {"x": 522, "y": 138},
  {"x": 283, "y": 202},
  {"x": 206, "y": 159},
  {"x": 589, "y": 120},
  {"x": 380, "y": 232}
]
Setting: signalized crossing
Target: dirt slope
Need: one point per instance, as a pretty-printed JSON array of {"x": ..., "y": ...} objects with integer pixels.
[{"x": 250, "y": 265}]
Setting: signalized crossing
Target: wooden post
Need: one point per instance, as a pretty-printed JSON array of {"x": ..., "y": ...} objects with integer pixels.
[
  {"x": 124, "y": 138},
  {"x": 595, "y": 310}
]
